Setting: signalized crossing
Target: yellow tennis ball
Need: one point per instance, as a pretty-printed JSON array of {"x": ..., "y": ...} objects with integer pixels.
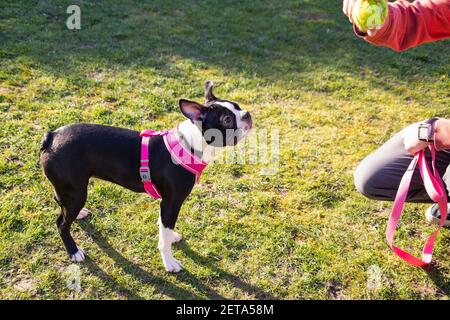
[{"x": 370, "y": 14}]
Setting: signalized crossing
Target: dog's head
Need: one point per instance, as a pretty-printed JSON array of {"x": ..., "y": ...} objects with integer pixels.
[{"x": 222, "y": 122}]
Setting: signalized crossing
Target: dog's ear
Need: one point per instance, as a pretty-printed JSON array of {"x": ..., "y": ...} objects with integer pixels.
[
  {"x": 209, "y": 95},
  {"x": 191, "y": 109}
]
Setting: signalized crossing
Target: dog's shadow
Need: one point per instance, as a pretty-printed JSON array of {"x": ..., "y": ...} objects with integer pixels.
[
  {"x": 237, "y": 282},
  {"x": 165, "y": 287},
  {"x": 439, "y": 277}
]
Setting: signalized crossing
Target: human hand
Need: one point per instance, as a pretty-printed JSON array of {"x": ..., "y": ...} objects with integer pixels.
[
  {"x": 411, "y": 140},
  {"x": 347, "y": 8}
]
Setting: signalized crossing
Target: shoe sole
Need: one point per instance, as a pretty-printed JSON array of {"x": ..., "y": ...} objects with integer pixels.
[{"x": 432, "y": 219}]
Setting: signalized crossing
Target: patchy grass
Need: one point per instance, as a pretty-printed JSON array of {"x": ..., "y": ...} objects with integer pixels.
[{"x": 303, "y": 233}]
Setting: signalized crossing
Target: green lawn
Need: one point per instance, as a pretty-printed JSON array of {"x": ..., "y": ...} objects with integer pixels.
[{"x": 304, "y": 233}]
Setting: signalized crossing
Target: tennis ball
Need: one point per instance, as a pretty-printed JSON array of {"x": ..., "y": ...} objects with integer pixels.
[{"x": 370, "y": 14}]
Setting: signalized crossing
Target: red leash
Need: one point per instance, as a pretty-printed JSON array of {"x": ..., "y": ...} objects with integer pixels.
[{"x": 437, "y": 192}]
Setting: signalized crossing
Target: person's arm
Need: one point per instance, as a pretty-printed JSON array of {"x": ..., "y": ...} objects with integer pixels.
[
  {"x": 442, "y": 134},
  {"x": 411, "y": 24}
]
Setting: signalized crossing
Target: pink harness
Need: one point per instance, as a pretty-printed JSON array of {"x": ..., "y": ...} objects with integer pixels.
[
  {"x": 179, "y": 153},
  {"x": 435, "y": 189}
]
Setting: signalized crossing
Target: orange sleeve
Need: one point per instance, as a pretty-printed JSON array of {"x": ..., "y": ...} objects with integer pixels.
[{"x": 412, "y": 24}]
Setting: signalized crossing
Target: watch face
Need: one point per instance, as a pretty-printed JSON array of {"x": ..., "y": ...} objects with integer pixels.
[{"x": 424, "y": 132}]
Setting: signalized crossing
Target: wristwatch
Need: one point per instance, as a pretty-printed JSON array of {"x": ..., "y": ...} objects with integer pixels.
[{"x": 426, "y": 130}]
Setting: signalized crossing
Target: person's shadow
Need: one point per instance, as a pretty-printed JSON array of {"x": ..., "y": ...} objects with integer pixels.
[{"x": 165, "y": 287}]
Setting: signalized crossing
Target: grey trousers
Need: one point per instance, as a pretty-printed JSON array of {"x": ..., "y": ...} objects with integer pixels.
[{"x": 378, "y": 175}]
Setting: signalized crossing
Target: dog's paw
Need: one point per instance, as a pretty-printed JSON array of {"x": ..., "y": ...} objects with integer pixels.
[
  {"x": 83, "y": 213},
  {"x": 78, "y": 256},
  {"x": 172, "y": 265},
  {"x": 176, "y": 237}
]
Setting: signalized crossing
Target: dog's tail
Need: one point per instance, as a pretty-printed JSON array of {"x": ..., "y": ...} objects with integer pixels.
[{"x": 46, "y": 140}]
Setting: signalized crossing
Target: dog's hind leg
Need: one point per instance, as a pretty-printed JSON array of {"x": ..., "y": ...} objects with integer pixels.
[
  {"x": 82, "y": 214},
  {"x": 71, "y": 203}
]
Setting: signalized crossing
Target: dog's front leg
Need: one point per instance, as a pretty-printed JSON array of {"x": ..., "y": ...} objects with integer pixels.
[{"x": 167, "y": 219}]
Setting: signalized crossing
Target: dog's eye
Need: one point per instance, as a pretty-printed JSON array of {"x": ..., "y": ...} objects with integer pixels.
[{"x": 227, "y": 121}]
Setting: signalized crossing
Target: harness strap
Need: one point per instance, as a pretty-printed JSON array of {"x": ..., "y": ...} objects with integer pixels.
[
  {"x": 144, "y": 170},
  {"x": 437, "y": 192},
  {"x": 183, "y": 156},
  {"x": 178, "y": 152}
]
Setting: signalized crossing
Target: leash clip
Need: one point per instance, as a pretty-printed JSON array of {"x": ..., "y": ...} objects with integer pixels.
[{"x": 144, "y": 171}]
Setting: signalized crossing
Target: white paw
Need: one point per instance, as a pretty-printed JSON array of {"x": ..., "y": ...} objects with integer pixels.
[
  {"x": 176, "y": 237},
  {"x": 172, "y": 265},
  {"x": 78, "y": 256},
  {"x": 83, "y": 213}
]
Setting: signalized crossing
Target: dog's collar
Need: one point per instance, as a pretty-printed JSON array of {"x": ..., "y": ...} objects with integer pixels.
[
  {"x": 180, "y": 154},
  {"x": 183, "y": 155},
  {"x": 186, "y": 144}
]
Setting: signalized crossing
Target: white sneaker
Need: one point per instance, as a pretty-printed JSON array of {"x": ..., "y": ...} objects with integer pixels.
[{"x": 434, "y": 216}]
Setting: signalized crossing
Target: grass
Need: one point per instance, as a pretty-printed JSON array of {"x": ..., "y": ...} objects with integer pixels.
[{"x": 304, "y": 233}]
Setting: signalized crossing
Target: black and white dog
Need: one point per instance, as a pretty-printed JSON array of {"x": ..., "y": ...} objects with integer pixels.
[{"x": 72, "y": 154}]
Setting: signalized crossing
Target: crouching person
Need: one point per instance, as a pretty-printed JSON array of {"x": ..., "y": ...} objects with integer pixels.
[{"x": 378, "y": 176}]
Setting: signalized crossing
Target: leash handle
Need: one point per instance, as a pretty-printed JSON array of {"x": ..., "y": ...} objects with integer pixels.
[{"x": 437, "y": 192}]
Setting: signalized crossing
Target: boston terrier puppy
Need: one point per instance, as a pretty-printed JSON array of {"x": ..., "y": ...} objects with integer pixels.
[{"x": 72, "y": 154}]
